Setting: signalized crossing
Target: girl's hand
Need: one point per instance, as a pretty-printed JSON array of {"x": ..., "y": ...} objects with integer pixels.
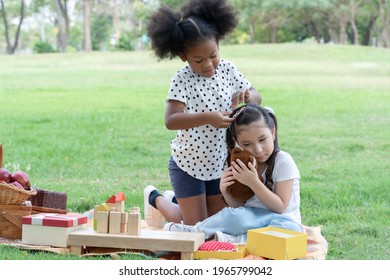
[
  {"x": 219, "y": 119},
  {"x": 240, "y": 97},
  {"x": 226, "y": 180},
  {"x": 246, "y": 175}
]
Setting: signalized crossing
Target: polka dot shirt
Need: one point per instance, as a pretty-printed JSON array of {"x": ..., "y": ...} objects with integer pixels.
[{"x": 201, "y": 151}]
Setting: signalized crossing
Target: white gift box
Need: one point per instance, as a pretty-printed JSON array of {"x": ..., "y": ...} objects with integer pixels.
[{"x": 51, "y": 229}]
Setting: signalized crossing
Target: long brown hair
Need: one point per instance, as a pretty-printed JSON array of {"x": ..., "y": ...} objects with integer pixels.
[{"x": 246, "y": 115}]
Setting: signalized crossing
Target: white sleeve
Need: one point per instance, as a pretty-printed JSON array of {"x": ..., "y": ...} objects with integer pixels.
[{"x": 285, "y": 168}]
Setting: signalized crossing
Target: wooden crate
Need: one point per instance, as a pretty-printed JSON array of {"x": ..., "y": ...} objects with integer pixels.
[{"x": 11, "y": 220}]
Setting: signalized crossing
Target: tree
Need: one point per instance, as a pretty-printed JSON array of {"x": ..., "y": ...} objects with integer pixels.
[
  {"x": 87, "y": 26},
  {"x": 63, "y": 23},
  {"x": 250, "y": 13},
  {"x": 353, "y": 6},
  {"x": 12, "y": 47},
  {"x": 384, "y": 8},
  {"x": 367, "y": 20},
  {"x": 274, "y": 14}
]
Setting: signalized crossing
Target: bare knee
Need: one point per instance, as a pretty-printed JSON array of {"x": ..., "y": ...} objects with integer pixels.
[
  {"x": 193, "y": 209},
  {"x": 215, "y": 204}
]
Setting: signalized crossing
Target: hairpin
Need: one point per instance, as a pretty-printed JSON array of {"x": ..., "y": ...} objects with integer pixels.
[{"x": 239, "y": 111}]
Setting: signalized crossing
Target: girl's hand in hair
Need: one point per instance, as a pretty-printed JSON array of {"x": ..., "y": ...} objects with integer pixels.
[
  {"x": 219, "y": 119},
  {"x": 240, "y": 97}
]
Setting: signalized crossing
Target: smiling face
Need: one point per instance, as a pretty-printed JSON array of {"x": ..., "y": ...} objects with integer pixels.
[
  {"x": 203, "y": 58},
  {"x": 258, "y": 139}
]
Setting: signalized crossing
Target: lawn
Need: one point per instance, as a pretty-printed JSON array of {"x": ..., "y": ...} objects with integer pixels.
[{"x": 92, "y": 124}]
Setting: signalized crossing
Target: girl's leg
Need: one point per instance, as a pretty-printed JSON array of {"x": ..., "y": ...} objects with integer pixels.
[
  {"x": 233, "y": 221},
  {"x": 237, "y": 221},
  {"x": 189, "y": 210},
  {"x": 193, "y": 209},
  {"x": 285, "y": 222},
  {"x": 158, "y": 209},
  {"x": 214, "y": 204},
  {"x": 214, "y": 200},
  {"x": 168, "y": 209},
  {"x": 190, "y": 194},
  {"x": 271, "y": 219}
]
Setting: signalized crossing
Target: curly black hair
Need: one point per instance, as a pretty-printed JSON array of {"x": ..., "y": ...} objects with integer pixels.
[{"x": 173, "y": 32}]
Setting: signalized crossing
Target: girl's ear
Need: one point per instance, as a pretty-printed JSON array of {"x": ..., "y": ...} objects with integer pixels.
[{"x": 182, "y": 57}]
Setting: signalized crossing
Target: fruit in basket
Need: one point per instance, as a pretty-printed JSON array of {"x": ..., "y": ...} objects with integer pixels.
[
  {"x": 5, "y": 175},
  {"x": 21, "y": 178},
  {"x": 17, "y": 184}
]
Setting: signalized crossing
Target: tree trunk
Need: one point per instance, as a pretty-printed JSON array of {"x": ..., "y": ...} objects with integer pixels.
[
  {"x": 116, "y": 21},
  {"x": 12, "y": 47},
  {"x": 252, "y": 31},
  {"x": 353, "y": 8},
  {"x": 63, "y": 24},
  {"x": 343, "y": 29},
  {"x": 367, "y": 31},
  {"x": 385, "y": 20},
  {"x": 314, "y": 30},
  {"x": 87, "y": 26},
  {"x": 274, "y": 37}
]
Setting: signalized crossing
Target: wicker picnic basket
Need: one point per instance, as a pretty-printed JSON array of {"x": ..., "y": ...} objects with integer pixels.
[
  {"x": 49, "y": 199},
  {"x": 12, "y": 195},
  {"x": 11, "y": 220}
]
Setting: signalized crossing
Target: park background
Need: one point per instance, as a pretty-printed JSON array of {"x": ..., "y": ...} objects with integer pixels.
[{"x": 85, "y": 116}]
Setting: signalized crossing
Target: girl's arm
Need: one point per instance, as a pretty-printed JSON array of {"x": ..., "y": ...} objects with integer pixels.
[
  {"x": 176, "y": 118},
  {"x": 277, "y": 201},
  {"x": 227, "y": 180}
]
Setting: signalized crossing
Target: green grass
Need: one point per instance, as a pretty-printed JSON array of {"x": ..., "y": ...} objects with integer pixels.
[{"x": 92, "y": 124}]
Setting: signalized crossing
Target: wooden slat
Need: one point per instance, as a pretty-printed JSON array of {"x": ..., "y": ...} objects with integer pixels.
[
  {"x": 40, "y": 209},
  {"x": 11, "y": 218},
  {"x": 148, "y": 240},
  {"x": 15, "y": 207}
]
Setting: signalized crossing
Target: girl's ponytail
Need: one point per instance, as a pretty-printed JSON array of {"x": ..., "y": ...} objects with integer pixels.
[
  {"x": 269, "y": 183},
  {"x": 165, "y": 33}
]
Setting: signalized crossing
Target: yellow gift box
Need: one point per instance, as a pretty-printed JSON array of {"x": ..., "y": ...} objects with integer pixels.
[
  {"x": 276, "y": 243},
  {"x": 221, "y": 255}
]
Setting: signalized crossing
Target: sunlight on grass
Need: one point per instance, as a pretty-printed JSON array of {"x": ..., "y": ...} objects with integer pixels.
[{"x": 92, "y": 124}]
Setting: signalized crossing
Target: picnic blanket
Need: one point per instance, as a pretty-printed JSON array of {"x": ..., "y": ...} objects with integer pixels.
[{"x": 317, "y": 246}]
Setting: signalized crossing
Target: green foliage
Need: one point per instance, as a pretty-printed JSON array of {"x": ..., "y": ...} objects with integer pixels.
[
  {"x": 173, "y": 4},
  {"x": 101, "y": 28},
  {"x": 126, "y": 42},
  {"x": 76, "y": 37},
  {"x": 43, "y": 47}
]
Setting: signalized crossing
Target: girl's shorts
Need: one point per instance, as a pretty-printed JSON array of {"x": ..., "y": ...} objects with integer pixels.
[{"x": 184, "y": 185}]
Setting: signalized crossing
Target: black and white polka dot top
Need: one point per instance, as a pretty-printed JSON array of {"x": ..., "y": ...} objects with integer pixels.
[{"x": 201, "y": 151}]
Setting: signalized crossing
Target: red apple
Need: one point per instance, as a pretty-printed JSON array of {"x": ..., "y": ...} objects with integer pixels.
[
  {"x": 21, "y": 178},
  {"x": 17, "y": 184},
  {"x": 5, "y": 175}
]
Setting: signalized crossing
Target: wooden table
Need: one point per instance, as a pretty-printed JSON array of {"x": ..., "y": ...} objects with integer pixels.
[{"x": 184, "y": 242}]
